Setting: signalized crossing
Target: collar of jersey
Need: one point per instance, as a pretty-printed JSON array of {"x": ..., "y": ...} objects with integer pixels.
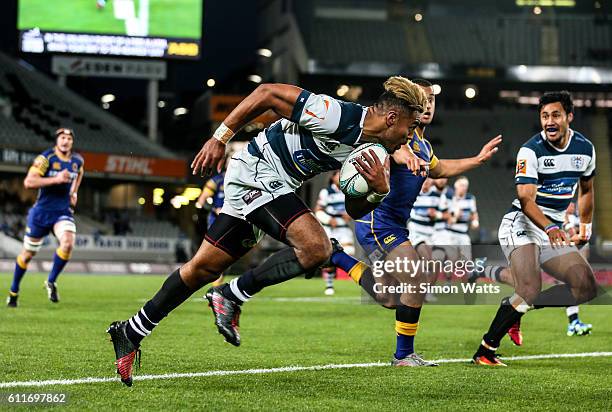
[
  {"x": 418, "y": 135},
  {"x": 363, "y": 115},
  {"x": 569, "y": 141}
]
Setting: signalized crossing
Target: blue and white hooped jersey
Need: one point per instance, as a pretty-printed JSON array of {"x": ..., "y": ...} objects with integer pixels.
[
  {"x": 555, "y": 171},
  {"x": 419, "y": 215},
  {"x": 331, "y": 199},
  {"x": 49, "y": 164},
  {"x": 463, "y": 208},
  {"x": 318, "y": 137}
]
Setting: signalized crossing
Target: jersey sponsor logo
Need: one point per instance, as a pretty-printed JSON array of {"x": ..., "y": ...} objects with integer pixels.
[
  {"x": 578, "y": 162},
  {"x": 251, "y": 196},
  {"x": 549, "y": 162},
  {"x": 389, "y": 239},
  {"x": 521, "y": 167},
  {"x": 275, "y": 184},
  {"x": 56, "y": 166},
  {"x": 309, "y": 164}
]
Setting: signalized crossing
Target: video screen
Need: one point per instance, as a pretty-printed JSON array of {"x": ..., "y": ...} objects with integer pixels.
[{"x": 138, "y": 28}]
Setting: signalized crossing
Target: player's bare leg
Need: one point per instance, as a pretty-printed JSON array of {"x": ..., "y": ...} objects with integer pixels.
[{"x": 309, "y": 249}]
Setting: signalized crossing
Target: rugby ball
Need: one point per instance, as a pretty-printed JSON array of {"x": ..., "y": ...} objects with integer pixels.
[{"x": 352, "y": 183}]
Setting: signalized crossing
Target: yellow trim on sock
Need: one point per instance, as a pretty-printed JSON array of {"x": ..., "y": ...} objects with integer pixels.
[
  {"x": 408, "y": 329},
  {"x": 62, "y": 255},
  {"x": 357, "y": 271},
  {"x": 21, "y": 263},
  {"x": 13, "y": 294}
]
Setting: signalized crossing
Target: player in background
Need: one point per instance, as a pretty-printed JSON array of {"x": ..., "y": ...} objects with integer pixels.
[
  {"x": 57, "y": 174},
  {"x": 331, "y": 212},
  {"x": 550, "y": 166},
  {"x": 212, "y": 196},
  {"x": 384, "y": 235},
  {"x": 315, "y": 135},
  {"x": 459, "y": 209},
  {"x": 503, "y": 274},
  {"x": 424, "y": 217}
]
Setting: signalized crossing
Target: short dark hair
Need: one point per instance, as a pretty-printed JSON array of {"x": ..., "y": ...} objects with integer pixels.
[
  {"x": 422, "y": 82},
  {"x": 564, "y": 97}
]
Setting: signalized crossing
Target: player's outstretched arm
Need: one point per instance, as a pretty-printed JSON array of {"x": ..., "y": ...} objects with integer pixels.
[
  {"x": 377, "y": 176},
  {"x": 455, "y": 167},
  {"x": 34, "y": 180},
  {"x": 280, "y": 98}
]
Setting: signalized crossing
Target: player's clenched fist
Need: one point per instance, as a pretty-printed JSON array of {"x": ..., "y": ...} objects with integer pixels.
[{"x": 63, "y": 177}]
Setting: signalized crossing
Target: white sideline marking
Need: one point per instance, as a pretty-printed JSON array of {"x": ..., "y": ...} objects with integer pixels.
[{"x": 278, "y": 370}]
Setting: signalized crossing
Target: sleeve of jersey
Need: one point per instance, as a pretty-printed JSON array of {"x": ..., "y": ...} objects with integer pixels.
[
  {"x": 317, "y": 112},
  {"x": 40, "y": 165},
  {"x": 590, "y": 170},
  {"x": 526, "y": 167}
]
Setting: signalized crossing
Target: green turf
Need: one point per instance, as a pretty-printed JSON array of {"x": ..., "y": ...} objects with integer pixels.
[
  {"x": 167, "y": 18},
  {"x": 42, "y": 341}
]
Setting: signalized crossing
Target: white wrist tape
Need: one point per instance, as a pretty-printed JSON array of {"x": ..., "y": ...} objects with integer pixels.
[
  {"x": 223, "y": 133},
  {"x": 586, "y": 230},
  {"x": 376, "y": 197}
]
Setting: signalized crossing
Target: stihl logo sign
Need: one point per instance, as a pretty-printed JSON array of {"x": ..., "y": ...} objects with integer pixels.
[{"x": 129, "y": 165}]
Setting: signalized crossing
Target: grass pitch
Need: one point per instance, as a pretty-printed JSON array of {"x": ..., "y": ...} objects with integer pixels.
[
  {"x": 167, "y": 18},
  {"x": 288, "y": 325}
]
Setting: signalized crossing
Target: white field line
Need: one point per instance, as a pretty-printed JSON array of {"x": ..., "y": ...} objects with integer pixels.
[{"x": 54, "y": 382}]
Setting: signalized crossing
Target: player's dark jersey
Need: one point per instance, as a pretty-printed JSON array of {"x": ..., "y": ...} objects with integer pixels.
[
  {"x": 384, "y": 228},
  {"x": 48, "y": 164},
  {"x": 404, "y": 186}
]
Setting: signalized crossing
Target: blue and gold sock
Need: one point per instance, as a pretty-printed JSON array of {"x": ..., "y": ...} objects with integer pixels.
[
  {"x": 60, "y": 258},
  {"x": 406, "y": 325},
  {"x": 21, "y": 266}
]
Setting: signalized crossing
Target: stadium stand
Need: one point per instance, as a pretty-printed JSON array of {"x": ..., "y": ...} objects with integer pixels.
[
  {"x": 504, "y": 40},
  {"x": 38, "y": 106}
]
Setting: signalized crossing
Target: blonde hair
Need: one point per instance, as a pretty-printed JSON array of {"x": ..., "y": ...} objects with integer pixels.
[{"x": 401, "y": 91}]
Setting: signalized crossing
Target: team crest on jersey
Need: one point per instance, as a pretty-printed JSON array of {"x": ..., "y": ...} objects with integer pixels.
[
  {"x": 521, "y": 167},
  {"x": 578, "y": 162},
  {"x": 75, "y": 167},
  {"x": 416, "y": 147},
  {"x": 57, "y": 166}
]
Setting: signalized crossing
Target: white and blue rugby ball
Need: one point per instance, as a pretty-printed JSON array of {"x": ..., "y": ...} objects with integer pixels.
[{"x": 352, "y": 183}]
